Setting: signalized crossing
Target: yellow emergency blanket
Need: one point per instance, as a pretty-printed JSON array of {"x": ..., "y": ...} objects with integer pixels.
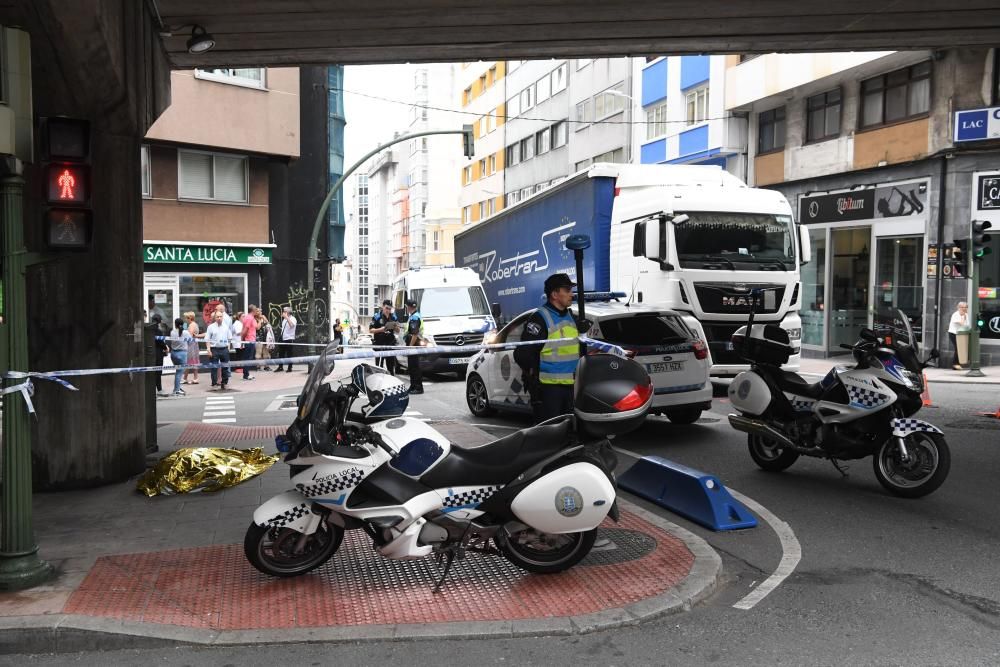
[{"x": 203, "y": 469}]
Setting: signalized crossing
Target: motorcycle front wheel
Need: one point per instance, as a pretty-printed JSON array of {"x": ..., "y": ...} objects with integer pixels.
[
  {"x": 922, "y": 473},
  {"x": 545, "y": 553},
  {"x": 283, "y": 552}
]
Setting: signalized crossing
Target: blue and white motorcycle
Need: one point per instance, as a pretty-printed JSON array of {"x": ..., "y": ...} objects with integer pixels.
[
  {"x": 852, "y": 413},
  {"x": 536, "y": 496}
]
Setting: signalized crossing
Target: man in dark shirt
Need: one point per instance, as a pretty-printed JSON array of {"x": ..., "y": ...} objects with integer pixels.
[
  {"x": 414, "y": 336},
  {"x": 548, "y": 369},
  {"x": 383, "y": 330}
]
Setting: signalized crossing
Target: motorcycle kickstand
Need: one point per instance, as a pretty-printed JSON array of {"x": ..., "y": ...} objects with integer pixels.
[
  {"x": 450, "y": 558},
  {"x": 841, "y": 470}
]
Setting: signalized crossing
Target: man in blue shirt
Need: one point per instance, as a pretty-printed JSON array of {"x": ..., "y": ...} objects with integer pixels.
[
  {"x": 218, "y": 336},
  {"x": 383, "y": 330},
  {"x": 414, "y": 337}
]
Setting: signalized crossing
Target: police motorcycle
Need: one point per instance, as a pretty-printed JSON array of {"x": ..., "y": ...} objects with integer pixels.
[
  {"x": 536, "y": 496},
  {"x": 852, "y": 413}
]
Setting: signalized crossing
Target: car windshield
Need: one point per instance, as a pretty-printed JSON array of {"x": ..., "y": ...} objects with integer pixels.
[
  {"x": 323, "y": 367},
  {"x": 646, "y": 329},
  {"x": 450, "y": 301},
  {"x": 750, "y": 241}
]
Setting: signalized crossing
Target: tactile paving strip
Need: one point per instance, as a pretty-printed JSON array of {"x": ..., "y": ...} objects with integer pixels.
[
  {"x": 215, "y": 587},
  {"x": 199, "y": 434}
]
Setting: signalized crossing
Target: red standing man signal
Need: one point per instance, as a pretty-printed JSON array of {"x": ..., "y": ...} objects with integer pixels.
[{"x": 66, "y": 184}]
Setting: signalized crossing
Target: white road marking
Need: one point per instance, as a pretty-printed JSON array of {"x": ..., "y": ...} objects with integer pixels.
[
  {"x": 412, "y": 413},
  {"x": 229, "y": 420},
  {"x": 219, "y": 410},
  {"x": 791, "y": 550}
]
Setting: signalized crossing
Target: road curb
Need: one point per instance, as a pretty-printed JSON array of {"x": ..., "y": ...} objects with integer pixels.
[{"x": 65, "y": 633}]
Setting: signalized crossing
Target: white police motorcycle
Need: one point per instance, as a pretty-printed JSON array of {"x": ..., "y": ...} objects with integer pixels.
[{"x": 538, "y": 495}]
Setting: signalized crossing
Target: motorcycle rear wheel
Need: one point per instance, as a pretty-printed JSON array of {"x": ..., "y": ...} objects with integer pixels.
[
  {"x": 271, "y": 550},
  {"x": 930, "y": 461},
  {"x": 768, "y": 455},
  {"x": 545, "y": 553}
]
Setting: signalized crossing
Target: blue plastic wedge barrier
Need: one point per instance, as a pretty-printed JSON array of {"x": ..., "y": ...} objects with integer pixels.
[{"x": 686, "y": 491}]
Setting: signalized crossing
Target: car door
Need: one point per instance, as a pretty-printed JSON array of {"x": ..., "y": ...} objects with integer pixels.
[{"x": 505, "y": 375}]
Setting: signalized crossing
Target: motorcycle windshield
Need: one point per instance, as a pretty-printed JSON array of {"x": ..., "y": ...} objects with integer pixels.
[
  {"x": 321, "y": 368},
  {"x": 903, "y": 332}
]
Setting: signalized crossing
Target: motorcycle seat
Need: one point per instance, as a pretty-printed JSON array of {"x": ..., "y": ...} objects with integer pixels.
[
  {"x": 502, "y": 460},
  {"x": 791, "y": 382}
]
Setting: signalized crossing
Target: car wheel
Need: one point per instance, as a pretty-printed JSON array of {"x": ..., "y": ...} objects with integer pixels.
[
  {"x": 684, "y": 415},
  {"x": 476, "y": 397}
]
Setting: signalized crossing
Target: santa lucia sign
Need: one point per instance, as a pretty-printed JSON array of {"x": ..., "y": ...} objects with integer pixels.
[{"x": 154, "y": 253}]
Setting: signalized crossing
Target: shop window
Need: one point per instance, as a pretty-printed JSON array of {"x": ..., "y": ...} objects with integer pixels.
[
  {"x": 147, "y": 179},
  {"x": 200, "y": 294},
  {"x": 896, "y": 96},
  {"x": 212, "y": 177},
  {"x": 771, "y": 130},
  {"x": 823, "y": 116},
  {"x": 656, "y": 121},
  {"x": 249, "y": 77},
  {"x": 696, "y": 105}
]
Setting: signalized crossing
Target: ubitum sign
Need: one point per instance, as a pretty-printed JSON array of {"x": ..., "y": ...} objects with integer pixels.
[
  {"x": 977, "y": 124},
  {"x": 154, "y": 253}
]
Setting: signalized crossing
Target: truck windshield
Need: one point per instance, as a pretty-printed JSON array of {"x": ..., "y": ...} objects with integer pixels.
[
  {"x": 747, "y": 241},
  {"x": 451, "y": 301}
]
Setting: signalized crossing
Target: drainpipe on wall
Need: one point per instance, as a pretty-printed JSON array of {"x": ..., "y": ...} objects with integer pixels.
[{"x": 939, "y": 284}]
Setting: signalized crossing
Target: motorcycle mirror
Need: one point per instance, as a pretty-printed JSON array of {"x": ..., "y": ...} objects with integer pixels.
[
  {"x": 868, "y": 335},
  {"x": 583, "y": 326}
]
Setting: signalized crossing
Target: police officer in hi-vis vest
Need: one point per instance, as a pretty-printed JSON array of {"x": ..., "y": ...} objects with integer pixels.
[
  {"x": 548, "y": 369},
  {"x": 414, "y": 336}
]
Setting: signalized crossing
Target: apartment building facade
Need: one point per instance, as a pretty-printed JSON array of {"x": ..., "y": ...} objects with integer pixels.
[
  {"x": 482, "y": 94},
  {"x": 864, "y": 147},
  {"x": 207, "y": 200}
]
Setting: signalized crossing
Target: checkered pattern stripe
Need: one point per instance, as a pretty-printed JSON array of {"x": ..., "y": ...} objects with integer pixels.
[
  {"x": 903, "y": 427},
  {"x": 801, "y": 404},
  {"x": 351, "y": 479},
  {"x": 394, "y": 390},
  {"x": 289, "y": 516},
  {"x": 866, "y": 398},
  {"x": 473, "y": 497}
]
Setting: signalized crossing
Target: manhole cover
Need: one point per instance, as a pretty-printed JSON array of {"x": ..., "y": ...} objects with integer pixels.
[{"x": 621, "y": 546}]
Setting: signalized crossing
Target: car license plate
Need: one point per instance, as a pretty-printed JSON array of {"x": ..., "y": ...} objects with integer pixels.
[
  {"x": 666, "y": 367},
  {"x": 455, "y": 361}
]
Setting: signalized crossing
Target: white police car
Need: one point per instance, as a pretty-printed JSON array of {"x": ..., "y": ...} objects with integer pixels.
[{"x": 674, "y": 355}]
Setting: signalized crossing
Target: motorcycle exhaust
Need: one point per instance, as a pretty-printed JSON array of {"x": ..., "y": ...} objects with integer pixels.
[{"x": 757, "y": 427}]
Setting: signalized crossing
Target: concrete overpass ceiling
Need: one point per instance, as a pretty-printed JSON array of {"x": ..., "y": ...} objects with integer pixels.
[{"x": 274, "y": 32}]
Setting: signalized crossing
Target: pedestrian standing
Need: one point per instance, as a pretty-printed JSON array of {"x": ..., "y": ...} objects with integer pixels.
[
  {"x": 338, "y": 333},
  {"x": 218, "y": 336},
  {"x": 265, "y": 340},
  {"x": 226, "y": 319},
  {"x": 549, "y": 368},
  {"x": 383, "y": 330},
  {"x": 179, "y": 339},
  {"x": 249, "y": 337},
  {"x": 193, "y": 352},
  {"x": 162, "y": 349},
  {"x": 288, "y": 324},
  {"x": 414, "y": 337},
  {"x": 959, "y": 324}
]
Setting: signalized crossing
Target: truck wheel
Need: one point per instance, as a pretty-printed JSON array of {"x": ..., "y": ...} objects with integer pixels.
[
  {"x": 684, "y": 415},
  {"x": 476, "y": 397}
]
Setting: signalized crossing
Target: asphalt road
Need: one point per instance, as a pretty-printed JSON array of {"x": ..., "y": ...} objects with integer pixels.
[{"x": 881, "y": 581}]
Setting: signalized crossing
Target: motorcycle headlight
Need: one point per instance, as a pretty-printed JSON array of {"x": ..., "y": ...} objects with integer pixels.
[{"x": 913, "y": 380}]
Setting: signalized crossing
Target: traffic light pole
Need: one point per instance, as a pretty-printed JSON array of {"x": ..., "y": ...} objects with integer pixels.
[
  {"x": 974, "y": 371},
  {"x": 312, "y": 250},
  {"x": 20, "y": 566}
]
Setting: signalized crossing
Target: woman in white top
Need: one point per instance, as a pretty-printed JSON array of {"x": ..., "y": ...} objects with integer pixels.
[{"x": 959, "y": 322}]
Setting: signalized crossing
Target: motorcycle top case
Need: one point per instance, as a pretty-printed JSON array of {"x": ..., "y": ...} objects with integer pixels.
[
  {"x": 611, "y": 395},
  {"x": 767, "y": 344}
]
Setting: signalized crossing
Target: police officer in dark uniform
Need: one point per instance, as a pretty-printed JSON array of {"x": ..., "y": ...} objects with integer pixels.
[
  {"x": 383, "y": 331},
  {"x": 549, "y": 369},
  {"x": 414, "y": 336}
]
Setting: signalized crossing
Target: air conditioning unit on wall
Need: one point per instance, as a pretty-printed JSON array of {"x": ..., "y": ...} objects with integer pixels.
[{"x": 16, "y": 122}]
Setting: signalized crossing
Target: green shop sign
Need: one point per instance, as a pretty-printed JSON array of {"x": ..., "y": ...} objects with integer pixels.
[{"x": 203, "y": 254}]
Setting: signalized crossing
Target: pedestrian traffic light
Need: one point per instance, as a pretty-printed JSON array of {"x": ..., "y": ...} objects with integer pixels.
[
  {"x": 980, "y": 239},
  {"x": 468, "y": 141},
  {"x": 67, "y": 220}
]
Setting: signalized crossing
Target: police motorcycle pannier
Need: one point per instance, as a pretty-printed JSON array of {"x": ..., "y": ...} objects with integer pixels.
[
  {"x": 766, "y": 344},
  {"x": 611, "y": 395}
]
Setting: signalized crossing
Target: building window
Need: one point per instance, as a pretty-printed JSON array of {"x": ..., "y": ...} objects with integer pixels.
[
  {"x": 656, "y": 121},
  {"x": 482, "y": 83},
  {"x": 697, "y": 105},
  {"x": 513, "y": 154},
  {"x": 560, "y": 134},
  {"x": 435, "y": 240},
  {"x": 527, "y": 98},
  {"x": 493, "y": 164},
  {"x": 147, "y": 179},
  {"x": 466, "y": 96},
  {"x": 491, "y": 76},
  {"x": 749, "y": 56},
  {"x": 582, "y": 164},
  {"x": 608, "y": 103},
  {"x": 559, "y": 79},
  {"x": 543, "y": 141},
  {"x": 513, "y": 107},
  {"x": 482, "y": 168},
  {"x": 823, "y": 116},
  {"x": 482, "y": 210},
  {"x": 527, "y": 148},
  {"x": 583, "y": 114},
  {"x": 489, "y": 122},
  {"x": 491, "y": 206},
  {"x": 543, "y": 89},
  {"x": 212, "y": 176},
  {"x": 905, "y": 93},
  {"x": 771, "y": 130},
  {"x": 617, "y": 156},
  {"x": 465, "y": 214},
  {"x": 250, "y": 77}
]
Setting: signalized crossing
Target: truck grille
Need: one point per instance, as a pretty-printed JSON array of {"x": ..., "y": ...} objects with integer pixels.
[
  {"x": 716, "y": 298},
  {"x": 473, "y": 338}
]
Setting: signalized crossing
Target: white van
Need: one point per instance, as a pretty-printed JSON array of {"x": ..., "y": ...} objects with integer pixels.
[{"x": 454, "y": 309}]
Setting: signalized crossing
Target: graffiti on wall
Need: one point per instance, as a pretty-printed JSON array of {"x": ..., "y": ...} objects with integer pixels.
[{"x": 297, "y": 299}]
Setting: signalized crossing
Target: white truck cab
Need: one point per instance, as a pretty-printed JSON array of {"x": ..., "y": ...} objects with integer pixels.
[
  {"x": 453, "y": 308},
  {"x": 696, "y": 239}
]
